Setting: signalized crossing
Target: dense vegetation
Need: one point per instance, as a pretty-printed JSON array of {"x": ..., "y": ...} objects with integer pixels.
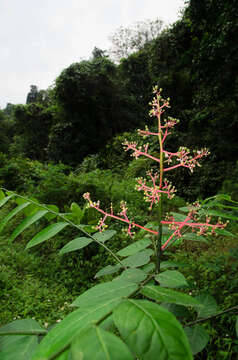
[{"x": 66, "y": 141}]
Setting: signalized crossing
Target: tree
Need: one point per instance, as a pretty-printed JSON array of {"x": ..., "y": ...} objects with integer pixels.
[
  {"x": 127, "y": 40},
  {"x": 93, "y": 107}
]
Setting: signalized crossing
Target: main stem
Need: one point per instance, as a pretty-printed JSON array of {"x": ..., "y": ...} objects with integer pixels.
[{"x": 160, "y": 232}]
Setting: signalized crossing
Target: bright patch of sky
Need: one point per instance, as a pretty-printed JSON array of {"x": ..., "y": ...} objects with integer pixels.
[{"x": 41, "y": 38}]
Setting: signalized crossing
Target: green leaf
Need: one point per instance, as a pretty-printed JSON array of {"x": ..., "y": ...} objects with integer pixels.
[
  {"x": 104, "y": 292},
  {"x": 77, "y": 212},
  {"x": 104, "y": 236},
  {"x": 194, "y": 237},
  {"x": 209, "y": 305},
  {"x": 20, "y": 347},
  {"x": 169, "y": 264},
  {"x": 134, "y": 248},
  {"x": 96, "y": 343},
  {"x": 161, "y": 294},
  {"x": 221, "y": 214},
  {"x": 5, "y": 200},
  {"x": 107, "y": 270},
  {"x": 224, "y": 232},
  {"x": 46, "y": 234},
  {"x": 197, "y": 337},
  {"x": 138, "y": 259},
  {"x": 2, "y": 195},
  {"x": 171, "y": 278},
  {"x": 51, "y": 216},
  {"x": 75, "y": 244},
  {"x": 178, "y": 217},
  {"x": 26, "y": 223},
  {"x": 132, "y": 275},
  {"x": 60, "y": 337},
  {"x": 12, "y": 213},
  {"x": 151, "y": 331},
  {"x": 148, "y": 267},
  {"x": 25, "y": 325}
]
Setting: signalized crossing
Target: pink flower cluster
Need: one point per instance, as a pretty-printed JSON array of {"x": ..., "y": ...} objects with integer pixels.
[{"x": 157, "y": 185}]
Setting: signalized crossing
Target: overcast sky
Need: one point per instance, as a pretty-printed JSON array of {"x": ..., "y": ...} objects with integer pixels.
[{"x": 40, "y": 38}]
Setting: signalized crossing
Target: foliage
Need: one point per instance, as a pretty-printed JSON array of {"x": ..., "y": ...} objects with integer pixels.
[{"x": 145, "y": 327}]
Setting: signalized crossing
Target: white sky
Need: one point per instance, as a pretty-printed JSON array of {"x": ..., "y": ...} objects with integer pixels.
[{"x": 40, "y": 38}]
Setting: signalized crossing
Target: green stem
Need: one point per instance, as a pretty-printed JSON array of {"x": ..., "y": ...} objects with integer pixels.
[{"x": 69, "y": 222}]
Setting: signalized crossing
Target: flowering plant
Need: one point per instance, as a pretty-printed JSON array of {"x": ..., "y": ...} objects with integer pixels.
[{"x": 158, "y": 186}]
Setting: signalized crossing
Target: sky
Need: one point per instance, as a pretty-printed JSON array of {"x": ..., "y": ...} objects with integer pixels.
[{"x": 40, "y": 38}]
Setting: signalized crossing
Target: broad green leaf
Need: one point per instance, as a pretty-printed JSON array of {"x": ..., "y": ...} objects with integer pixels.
[
  {"x": 75, "y": 244},
  {"x": 104, "y": 292},
  {"x": 224, "y": 232},
  {"x": 96, "y": 343},
  {"x": 138, "y": 259},
  {"x": 171, "y": 278},
  {"x": 5, "y": 199},
  {"x": 21, "y": 348},
  {"x": 209, "y": 305},
  {"x": 161, "y": 294},
  {"x": 46, "y": 233},
  {"x": 107, "y": 270},
  {"x": 134, "y": 248},
  {"x": 194, "y": 237},
  {"x": 197, "y": 337},
  {"x": 184, "y": 209},
  {"x": 237, "y": 326},
  {"x": 26, "y": 223},
  {"x": 60, "y": 337},
  {"x": 22, "y": 326},
  {"x": 132, "y": 275},
  {"x": 151, "y": 331},
  {"x": 104, "y": 236},
  {"x": 12, "y": 213},
  {"x": 148, "y": 267}
]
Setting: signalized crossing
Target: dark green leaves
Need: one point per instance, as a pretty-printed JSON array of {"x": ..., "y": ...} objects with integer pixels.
[
  {"x": 197, "y": 337},
  {"x": 151, "y": 331},
  {"x": 171, "y": 279},
  {"x": 26, "y": 223}
]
